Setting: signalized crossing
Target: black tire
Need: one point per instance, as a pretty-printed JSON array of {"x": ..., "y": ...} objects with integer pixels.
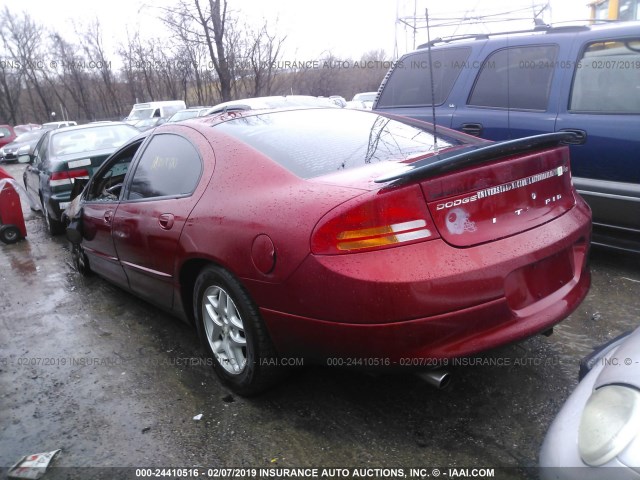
[
  {"x": 10, "y": 234},
  {"x": 80, "y": 260},
  {"x": 253, "y": 368},
  {"x": 54, "y": 227}
]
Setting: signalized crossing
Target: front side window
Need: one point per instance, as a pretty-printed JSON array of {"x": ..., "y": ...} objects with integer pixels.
[
  {"x": 410, "y": 82},
  {"x": 608, "y": 78},
  {"x": 107, "y": 185},
  {"x": 518, "y": 78},
  {"x": 169, "y": 166}
]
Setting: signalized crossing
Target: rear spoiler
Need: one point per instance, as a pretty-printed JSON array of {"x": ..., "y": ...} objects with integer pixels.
[{"x": 477, "y": 155}]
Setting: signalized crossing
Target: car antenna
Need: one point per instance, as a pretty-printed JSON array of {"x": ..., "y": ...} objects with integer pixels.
[{"x": 433, "y": 95}]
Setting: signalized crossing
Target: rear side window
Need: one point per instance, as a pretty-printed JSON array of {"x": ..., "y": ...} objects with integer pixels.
[
  {"x": 169, "y": 166},
  {"x": 410, "y": 82},
  {"x": 516, "y": 77},
  {"x": 311, "y": 143},
  {"x": 608, "y": 78},
  {"x": 42, "y": 150}
]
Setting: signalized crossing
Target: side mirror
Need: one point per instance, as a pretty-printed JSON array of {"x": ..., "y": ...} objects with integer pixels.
[
  {"x": 24, "y": 158},
  {"x": 73, "y": 233}
]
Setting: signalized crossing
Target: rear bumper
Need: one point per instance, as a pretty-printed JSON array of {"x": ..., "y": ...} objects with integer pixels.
[
  {"x": 431, "y": 300},
  {"x": 57, "y": 203}
]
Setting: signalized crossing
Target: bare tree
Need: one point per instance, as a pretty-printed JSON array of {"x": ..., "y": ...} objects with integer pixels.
[
  {"x": 72, "y": 77},
  {"x": 265, "y": 49},
  {"x": 212, "y": 57},
  {"x": 10, "y": 83},
  {"x": 22, "y": 40},
  {"x": 93, "y": 47}
]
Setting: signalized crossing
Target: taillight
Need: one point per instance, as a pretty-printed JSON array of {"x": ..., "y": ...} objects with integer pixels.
[
  {"x": 374, "y": 221},
  {"x": 64, "y": 178}
]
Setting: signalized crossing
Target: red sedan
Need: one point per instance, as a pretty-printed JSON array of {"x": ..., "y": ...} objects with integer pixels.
[{"x": 331, "y": 233}]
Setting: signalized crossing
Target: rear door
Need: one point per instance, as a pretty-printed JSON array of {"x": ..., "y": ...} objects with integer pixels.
[
  {"x": 33, "y": 170},
  {"x": 166, "y": 183},
  {"x": 514, "y": 92},
  {"x": 603, "y": 102}
]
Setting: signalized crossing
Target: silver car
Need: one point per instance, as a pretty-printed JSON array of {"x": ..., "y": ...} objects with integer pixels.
[{"x": 599, "y": 425}]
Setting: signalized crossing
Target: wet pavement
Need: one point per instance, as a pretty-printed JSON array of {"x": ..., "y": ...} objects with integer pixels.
[{"x": 89, "y": 369}]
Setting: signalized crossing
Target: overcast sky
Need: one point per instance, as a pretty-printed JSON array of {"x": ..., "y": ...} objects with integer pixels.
[{"x": 347, "y": 28}]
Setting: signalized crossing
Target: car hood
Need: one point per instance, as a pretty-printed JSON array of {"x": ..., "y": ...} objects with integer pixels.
[
  {"x": 623, "y": 365},
  {"x": 17, "y": 145}
]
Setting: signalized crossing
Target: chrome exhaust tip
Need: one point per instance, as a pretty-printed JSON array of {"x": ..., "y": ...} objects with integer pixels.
[{"x": 439, "y": 379}]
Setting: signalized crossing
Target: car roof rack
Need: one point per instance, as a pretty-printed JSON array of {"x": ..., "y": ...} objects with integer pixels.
[{"x": 539, "y": 28}]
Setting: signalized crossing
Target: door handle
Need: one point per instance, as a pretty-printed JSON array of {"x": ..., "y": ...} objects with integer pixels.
[
  {"x": 474, "y": 129},
  {"x": 580, "y": 136},
  {"x": 166, "y": 221},
  {"x": 108, "y": 216}
]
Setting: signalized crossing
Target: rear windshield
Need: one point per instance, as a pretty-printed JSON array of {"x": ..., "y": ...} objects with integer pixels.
[
  {"x": 90, "y": 139},
  {"x": 311, "y": 143}
]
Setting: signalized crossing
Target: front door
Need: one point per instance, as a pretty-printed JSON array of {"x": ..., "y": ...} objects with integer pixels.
[
  {"x": 100, "y": 203},
  {"x": 166, "y": 183}
]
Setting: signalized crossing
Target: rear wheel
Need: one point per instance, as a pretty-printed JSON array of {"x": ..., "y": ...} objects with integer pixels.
[
  {"x": 55, "y": 227},
  {"x": 232, "y": 332},
  {"x": 10, "y": 234}
]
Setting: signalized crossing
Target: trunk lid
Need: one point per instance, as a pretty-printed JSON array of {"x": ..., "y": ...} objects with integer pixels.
[
  {"x": 501, "y": 199},
  {"x": 497, "y": 191}
]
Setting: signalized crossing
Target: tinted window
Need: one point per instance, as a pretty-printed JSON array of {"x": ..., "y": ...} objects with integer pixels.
[
  {"x": 310, "y": 143},
  {"x": 170, "y": 165},
  {"x": 517, "y": 77},
  {"x": 410, "y": 82},
  {"x": 608, "y": 80}
]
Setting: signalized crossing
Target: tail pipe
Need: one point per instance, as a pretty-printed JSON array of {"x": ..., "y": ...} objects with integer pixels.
[{"x": 439, "y": 379}]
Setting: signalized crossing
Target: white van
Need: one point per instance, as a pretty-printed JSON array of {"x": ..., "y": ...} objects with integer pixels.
[{"x": 144, "y": 111}]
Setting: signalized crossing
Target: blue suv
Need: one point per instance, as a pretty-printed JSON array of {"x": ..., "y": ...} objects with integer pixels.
[{"x": 583, "y": 79}]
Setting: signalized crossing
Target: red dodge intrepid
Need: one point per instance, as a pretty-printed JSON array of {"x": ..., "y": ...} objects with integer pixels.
[{"x": 338, "y": 233}]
